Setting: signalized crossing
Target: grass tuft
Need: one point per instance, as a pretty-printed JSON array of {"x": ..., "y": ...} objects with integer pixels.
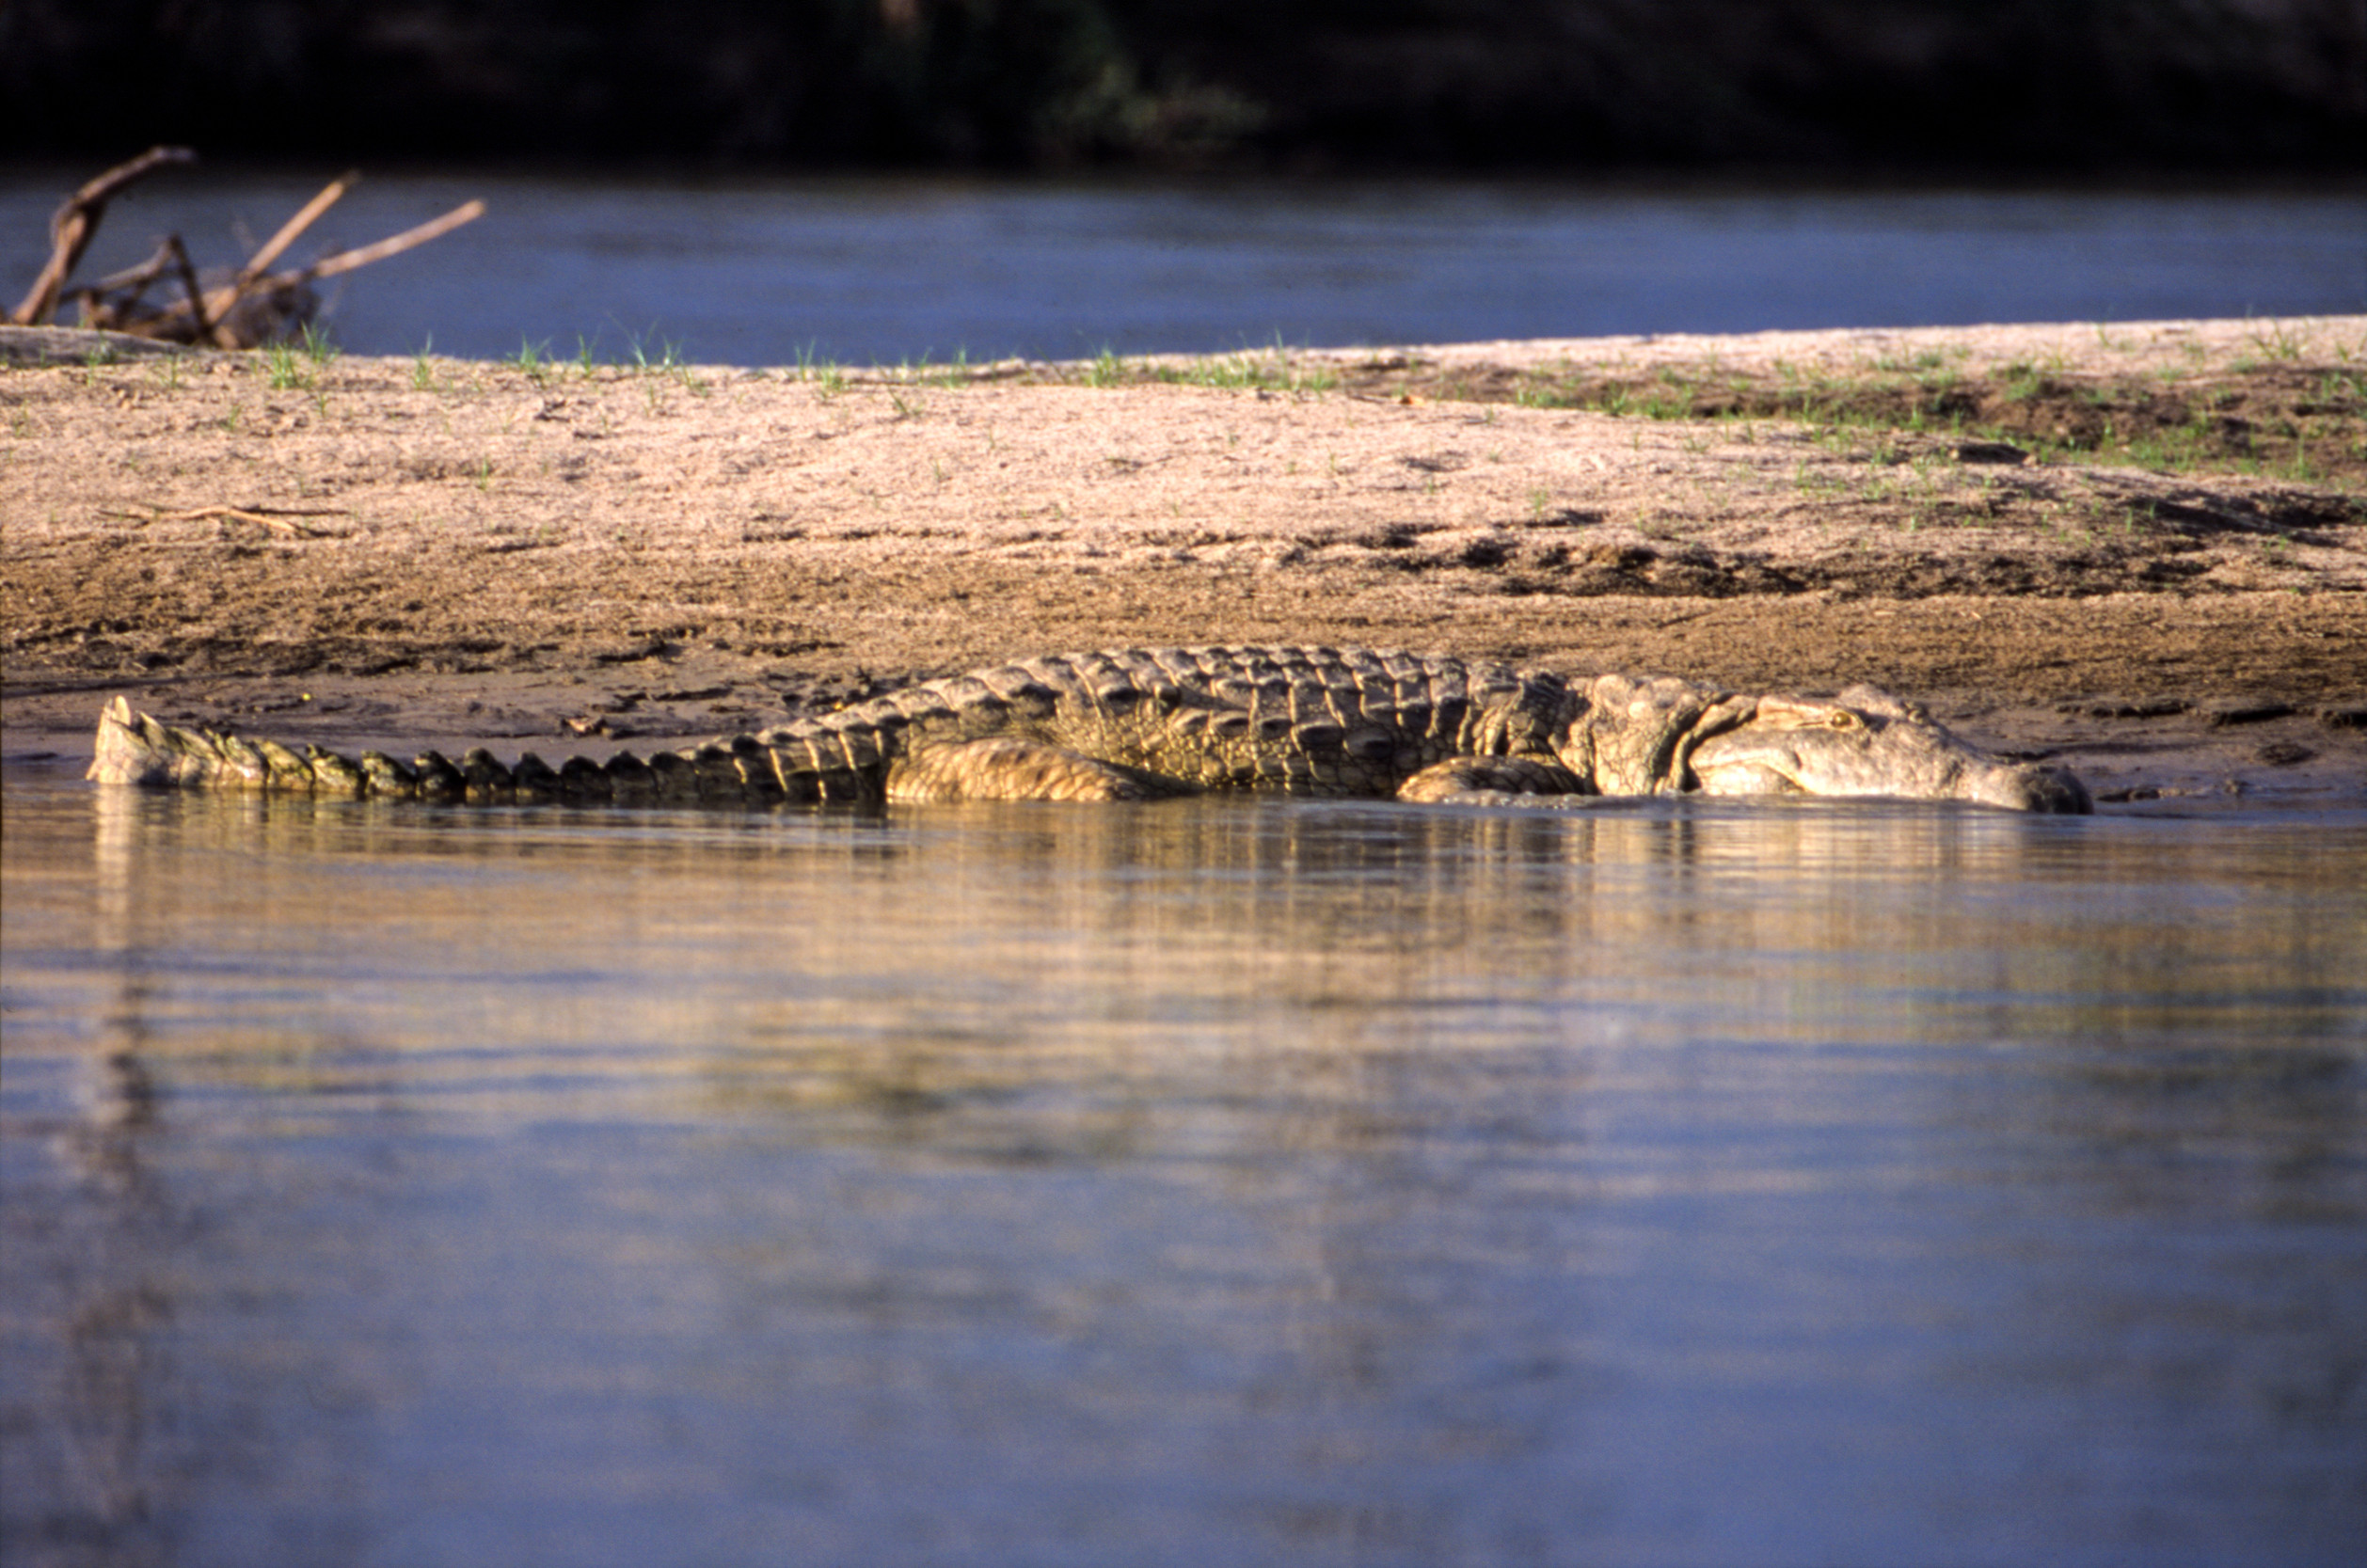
[
  {"x": 285, "y": 369},
  {"x": 532, "y": 359},
  {"x": 318, "y": 347}
]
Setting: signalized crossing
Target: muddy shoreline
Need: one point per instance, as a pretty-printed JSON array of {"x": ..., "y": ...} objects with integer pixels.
[{"x": 575, "y": 555}]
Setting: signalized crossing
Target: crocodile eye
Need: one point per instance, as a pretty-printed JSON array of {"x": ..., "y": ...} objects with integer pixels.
[{"x": 1842, "y": 720}]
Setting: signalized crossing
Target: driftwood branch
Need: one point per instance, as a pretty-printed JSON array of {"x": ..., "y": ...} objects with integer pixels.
[
  {"x": 71, "y": 229},
  {"x": 118, "y": 295},
  {"x": 467, "y": 212},
  {"x": 221, "y": 300},
  {"x": 189, "y": 284},
  {"x": 129, "y": 278},
  {"x": 218, "y": 304},
  {"x": 261, "y": 262},
  {"x": 254, "y": 304}
]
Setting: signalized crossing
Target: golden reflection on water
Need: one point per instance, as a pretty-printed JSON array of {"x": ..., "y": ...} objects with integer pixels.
[
  {"x": 1256, "y": 1179},
  {"x": 789, "y": 958}
]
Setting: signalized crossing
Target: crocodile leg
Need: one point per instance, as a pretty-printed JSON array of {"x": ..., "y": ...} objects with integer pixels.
[
  {"x": 1475, "y": 780},
  {"x": 1008, "y": 767}
]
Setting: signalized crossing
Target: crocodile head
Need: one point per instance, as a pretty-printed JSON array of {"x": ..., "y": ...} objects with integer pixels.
[{"x": 1867, "y": 742}]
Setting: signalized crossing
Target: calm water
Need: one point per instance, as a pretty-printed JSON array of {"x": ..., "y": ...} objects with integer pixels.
[
  {"x": 1197, "y": 1183},
  {"x": 886, "y": 271}
]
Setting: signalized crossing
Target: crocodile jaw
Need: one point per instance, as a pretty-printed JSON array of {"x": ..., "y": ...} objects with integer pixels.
[
  {"x": 2028, "y": 787},
  {"x": 1868, "y": 743}
]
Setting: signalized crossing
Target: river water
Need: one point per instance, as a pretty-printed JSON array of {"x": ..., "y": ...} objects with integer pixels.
[
  {"x": 1213, "y": 1182},
  {"x": 887, "y": 270}
]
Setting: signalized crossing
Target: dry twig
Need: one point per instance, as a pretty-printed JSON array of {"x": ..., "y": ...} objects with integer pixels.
[{"x": 266, "y": 517}]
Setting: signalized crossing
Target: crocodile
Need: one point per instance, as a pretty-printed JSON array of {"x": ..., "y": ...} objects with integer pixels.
[{"x": 1138, "y": 724}]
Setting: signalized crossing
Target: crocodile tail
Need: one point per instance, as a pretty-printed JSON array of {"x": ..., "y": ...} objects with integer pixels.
[
  {"x": 122, "y": 754},
  {"x": 136, "y": 748},
  {"x": 132, "y": 748}
]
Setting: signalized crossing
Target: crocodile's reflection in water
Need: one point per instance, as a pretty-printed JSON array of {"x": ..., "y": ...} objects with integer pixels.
[{"x": 1255, "y": 1181}]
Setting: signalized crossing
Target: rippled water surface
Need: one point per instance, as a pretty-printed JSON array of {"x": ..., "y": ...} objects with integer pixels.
[
  {"x": 1210, "y": 1182},
  {"x": 864, "y": 271}
]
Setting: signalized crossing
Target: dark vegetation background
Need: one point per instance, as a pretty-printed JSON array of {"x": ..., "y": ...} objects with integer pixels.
[{"x": 1908, "y": 86}]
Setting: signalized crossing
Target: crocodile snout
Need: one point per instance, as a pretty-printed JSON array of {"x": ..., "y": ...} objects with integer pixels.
[{"x": 2055, "y": 790}]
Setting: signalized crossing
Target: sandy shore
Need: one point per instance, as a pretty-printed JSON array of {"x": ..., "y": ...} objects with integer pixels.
[{"x": 422, "y": 550}]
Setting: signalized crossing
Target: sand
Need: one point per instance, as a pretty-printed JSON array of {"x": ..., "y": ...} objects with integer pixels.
[{"x": 407, "y": 551}]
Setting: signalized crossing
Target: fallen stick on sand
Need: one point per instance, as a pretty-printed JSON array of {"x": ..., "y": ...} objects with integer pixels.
[{"x": 268, "y": 517}]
